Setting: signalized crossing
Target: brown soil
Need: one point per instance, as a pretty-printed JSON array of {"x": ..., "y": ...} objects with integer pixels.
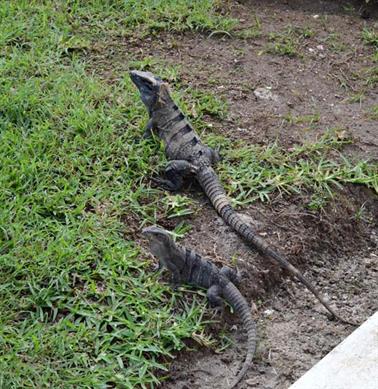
[{"x": 335, "y": 248}]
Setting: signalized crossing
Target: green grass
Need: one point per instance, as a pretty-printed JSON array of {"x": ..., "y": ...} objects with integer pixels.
[
  {"x": 335, "y": 43},
  {"x": 370, "y": 37},
  {"x": 302, "y": 119},
  {"x": 79, "y": 306},
  {"x": 251, "y": 32},
  {"x": 289, "y": 41},
  {"x": 252, "y": 172},
  {"x": 145, "y": 17},
  {"x": 373, "y": 112},
  {"x": 370, "y": 75}
]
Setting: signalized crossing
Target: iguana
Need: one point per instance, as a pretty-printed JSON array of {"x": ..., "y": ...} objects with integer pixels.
[
  {"x": 188, "y": 155},
  {"x": 189, "y": 267}
]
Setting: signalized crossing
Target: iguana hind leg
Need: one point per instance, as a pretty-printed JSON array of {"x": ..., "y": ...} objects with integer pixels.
[
  {"x": 214, "y": 155},
  {"x": 214, "y": 296},
  {"x": 231, "y": 274},
  {"x": 175, "y": 278},
  {"x": 175, "y": 172}
]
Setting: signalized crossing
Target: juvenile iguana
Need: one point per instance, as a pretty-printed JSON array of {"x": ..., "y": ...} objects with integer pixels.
[
  {"x": 189, "y": 267},
  {"x": 188, "y": 155}
]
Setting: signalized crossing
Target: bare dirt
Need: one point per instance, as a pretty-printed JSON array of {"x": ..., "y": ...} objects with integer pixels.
[{"x": 335, "y": 248}]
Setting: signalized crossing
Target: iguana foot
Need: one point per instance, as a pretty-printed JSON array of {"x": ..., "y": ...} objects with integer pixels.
[
  {"x": 166, "y": 184},
  {"x": 215, "y": 300},
  {"x": 175, "y": 172},
  {"x": 148, "y": 130},
  {"x": 175, "y": 279},
  {"x": 231, "y": 274},
  {"x": 156, "y": 267}
]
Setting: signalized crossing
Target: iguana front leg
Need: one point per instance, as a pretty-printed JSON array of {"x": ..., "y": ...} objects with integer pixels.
[
  {"x": 148, "y": 130},
  {"x": 175, "y": 172}
]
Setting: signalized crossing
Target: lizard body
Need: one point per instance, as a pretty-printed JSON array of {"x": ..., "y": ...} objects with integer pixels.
[
  {"x": 188, "y": 155},
  {"x": 189, "y": 267}
]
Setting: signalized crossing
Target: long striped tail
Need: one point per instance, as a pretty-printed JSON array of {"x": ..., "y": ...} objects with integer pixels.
[
  {"x": 238, "y": 302},
  {"x": 209, "y": 182}
]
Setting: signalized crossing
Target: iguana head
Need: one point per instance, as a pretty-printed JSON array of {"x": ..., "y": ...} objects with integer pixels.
[
  {"x": 161, "y": 241},
  {"x": 152, "y": 89}
]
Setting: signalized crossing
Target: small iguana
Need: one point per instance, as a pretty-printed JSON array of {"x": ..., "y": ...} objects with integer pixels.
[
  {"x": 188, "y": 155},
  {"x": 189, "y": 267}
]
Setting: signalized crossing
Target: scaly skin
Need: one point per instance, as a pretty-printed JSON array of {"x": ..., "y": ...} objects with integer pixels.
[
  {"x": 188, "y": 267},
  {"x": 188, "y": 155}
]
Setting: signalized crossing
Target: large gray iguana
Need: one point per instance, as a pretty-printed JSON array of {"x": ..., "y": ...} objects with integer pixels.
[
  {"x": 188, "y": 155},
  {"x": 188, "y": 267}
]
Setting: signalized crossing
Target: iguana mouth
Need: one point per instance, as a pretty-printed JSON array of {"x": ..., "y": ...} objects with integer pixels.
[
  {"x": 154, "y": 233},
  {"x": 150, "y": 230}
]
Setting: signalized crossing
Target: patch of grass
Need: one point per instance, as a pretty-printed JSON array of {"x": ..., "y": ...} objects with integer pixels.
[
  {"x": 370, "y": 37},
  {"x": 334, "y": 42},
  {"x": 251, "y": 32},
  {"x": 205, "y": 103},
  {"x": 78, "y": 305},
  {"x": 371, "y": 76},
  {"x": 177, "y": 205},
  {"x": 349, "y": 8},
  {"x": 255, "y": 172},
  {"x": 289, "y": 41},
  {"x": 282, "y": 45},
  {"x": 357, "y": 97},
  {"x": 373, "y": 112},
  {"x": 146, "y": 17},
  {"x": 302, "y": 119}
]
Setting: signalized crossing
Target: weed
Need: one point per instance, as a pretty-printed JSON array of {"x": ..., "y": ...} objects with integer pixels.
[
  {"x": 251, "y": 32},
  {"x": 334, "y": 42},
  {"x": 207, "y": 103},
  {"x": 177, "y": 205},
  {"x": 370, "y": 37},
  {"x": 302, "y": 119},
  {"x": 370, "y": 76},
  {"x": 362, "y": 214},
  {"x": 357, "y": 97},
  {"x": 289, "y": 41},
  {"x": 373, "y": 112},
  {"x": 282, "y": 45},
  {"x": 349, "y": 8}
]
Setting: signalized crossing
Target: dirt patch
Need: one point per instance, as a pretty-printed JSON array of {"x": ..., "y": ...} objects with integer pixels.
[
  {"x": 293, "y": 329},
  {"x": 323, "y": 85}
]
